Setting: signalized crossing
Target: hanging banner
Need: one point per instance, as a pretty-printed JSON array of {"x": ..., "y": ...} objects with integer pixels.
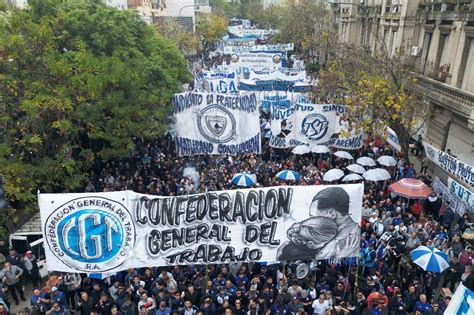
[
  {"x": 219, "y": 82},
  {"x": 392, "y": 138},
  {"x": 462, "y": 194},
  {"x": 315, "y": 123},
  {"x": 452, "y": 165},
  {"x": 281, "y": 127},
  {"x": 312, "y": 124},
  {"x": 263, "y": 63},
  {"x": 275, "y": 85},
  {"x": 207, "y": 123},
  {"x": 445, "y": 194},
  {"x": 114, "y": 231}
]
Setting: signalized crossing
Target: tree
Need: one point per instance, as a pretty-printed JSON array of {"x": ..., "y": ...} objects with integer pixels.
[
  {"x": 212, "y": 30},
  {"x": 223, "y": 7},
  {"x": 78, "y": 81},
  {"x": 184, "y": 40},
  {"x": 307, "y": 24},
  {"x": 377, "y": 91}
]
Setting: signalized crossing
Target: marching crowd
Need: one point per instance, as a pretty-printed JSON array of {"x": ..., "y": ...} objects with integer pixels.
[{"x": 383, "y": 281}]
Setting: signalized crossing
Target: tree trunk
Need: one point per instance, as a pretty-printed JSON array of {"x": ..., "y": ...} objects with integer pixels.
[{"x": 403, "y": 138}]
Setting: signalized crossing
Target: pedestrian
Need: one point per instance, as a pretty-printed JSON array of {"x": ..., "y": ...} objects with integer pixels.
[{"x": 11, "y": 275}]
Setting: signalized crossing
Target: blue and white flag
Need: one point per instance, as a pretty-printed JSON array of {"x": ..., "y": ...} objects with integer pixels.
[{"x": 462, "y": 302}]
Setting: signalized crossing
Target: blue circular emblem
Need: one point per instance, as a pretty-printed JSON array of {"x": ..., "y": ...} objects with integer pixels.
[
  {"x": 217, "y": 124},
  {"x": 314, "y": 127},
  {"x": 104, "y": 228},
  {"x": 90, "y": 234}
]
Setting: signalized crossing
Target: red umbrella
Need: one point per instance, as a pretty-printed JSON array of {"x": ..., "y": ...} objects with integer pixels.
[{"x": 411, "y": 188}]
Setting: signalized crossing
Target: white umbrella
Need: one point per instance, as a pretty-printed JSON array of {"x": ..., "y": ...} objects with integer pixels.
[
  {"x": 377, "y": 174},
  {"x": 344, "y": 155},
  {"x": 301, "y": 149},
  {"x": 352, "y": 177},
  {"x": 365, "y": 161},
  {"x": 356, "y": 168},
  {"x": 387, "y": 160},
  {"x": 320, "y": 149},
  {"x": 333, "y": 174}
]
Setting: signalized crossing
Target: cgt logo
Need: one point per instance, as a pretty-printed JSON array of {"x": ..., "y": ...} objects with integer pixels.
[
  {"x": 430, "y": 152},
  {"x": 91, "y": 234}
]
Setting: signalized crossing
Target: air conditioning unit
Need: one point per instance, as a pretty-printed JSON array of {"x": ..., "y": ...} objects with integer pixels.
[{"x": 415, "y": 51}]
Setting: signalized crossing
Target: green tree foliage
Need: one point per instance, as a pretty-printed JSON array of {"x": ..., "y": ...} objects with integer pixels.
[
  {"x": 78, "y": 81},
  {"x": 211, "y": 30},
  {"x": 307, "y": 24},
  {"x": 184, "y": 40},
  {"x": 223, "y": 7}
]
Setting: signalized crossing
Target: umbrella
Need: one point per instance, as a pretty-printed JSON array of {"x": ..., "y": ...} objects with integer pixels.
[
  {"x": 468, "y": 234},
  {"x": 344, "y": 155},
  {"x": 333, "y": 174},
  {"x": 320, "y": 149},
  {"x": 376, "y": 174},
  {"x": 365, "y": 161},
  {"x": 356, "y": 168},
  {"x": 265, "y": 125},
  {"x": 351, "y": 177},
  {"x": 268, "y": 135},
  {"x": 429, "y": 258},
  {"x": 387, "y": 160},
  {"x": 288, "y": 175},
  {"x": 243, "y": 180},
  {"x": 301, "y": 149},
  {"x": 411, "y": 188}
]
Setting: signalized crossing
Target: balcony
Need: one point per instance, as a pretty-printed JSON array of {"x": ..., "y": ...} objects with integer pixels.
[{"x": 451, "y": 98}]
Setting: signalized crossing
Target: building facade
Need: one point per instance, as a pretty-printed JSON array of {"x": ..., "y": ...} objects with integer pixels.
[{"x": 436, "y": 37}]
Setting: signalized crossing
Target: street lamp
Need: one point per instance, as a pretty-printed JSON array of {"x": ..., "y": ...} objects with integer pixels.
[{"x": 188, "y": 6}]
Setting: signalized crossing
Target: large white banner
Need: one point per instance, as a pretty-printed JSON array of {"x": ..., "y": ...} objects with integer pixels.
[
  {"x": 452, "y": 165},
  {"x": 312, "y": 124},
  {"x": 464, "y": 195},
  {"x": 210, "y": 123},
  {"x": 260, "y": 63},
  {"x": 113, "y": 231}
]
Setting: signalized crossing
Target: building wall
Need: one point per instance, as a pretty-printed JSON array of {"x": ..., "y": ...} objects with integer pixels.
[{"x": 438, "y": 38}]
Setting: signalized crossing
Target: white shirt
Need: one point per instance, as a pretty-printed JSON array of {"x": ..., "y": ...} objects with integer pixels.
[{"x": 320, "y": 308}]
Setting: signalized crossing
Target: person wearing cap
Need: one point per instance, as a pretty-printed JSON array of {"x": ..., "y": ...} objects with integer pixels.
[
  {"x": 58, "y": 296},
  {"x": 379, "y": 297},
  {"x": 31, "y": 267}
]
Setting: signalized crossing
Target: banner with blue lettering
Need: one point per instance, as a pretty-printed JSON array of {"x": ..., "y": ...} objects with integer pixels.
[
  {"x": 212, "y": 123},
  {"x": 282, "y": 132},
  {"x": 452, "y": 165},
  {"x": 462, "y": 194},
  {"x": 114, "y": 231},
  {"x": 263, "y": 62},
  {"x": 219, "y": 82},
  {"x": 275, "y": 85}
]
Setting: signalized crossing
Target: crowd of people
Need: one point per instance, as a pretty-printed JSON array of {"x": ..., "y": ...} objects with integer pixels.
[{"x": 383, "y": 279}]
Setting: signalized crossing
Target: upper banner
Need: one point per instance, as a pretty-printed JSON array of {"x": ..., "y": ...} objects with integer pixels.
[
  {"x": 207, "y": 123},
  {"x": 452, "y": 165},
  {"x": 113, "y": 231},
  {"x": 260, "y": 63},
  {"x": 311, "y": 124}
]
